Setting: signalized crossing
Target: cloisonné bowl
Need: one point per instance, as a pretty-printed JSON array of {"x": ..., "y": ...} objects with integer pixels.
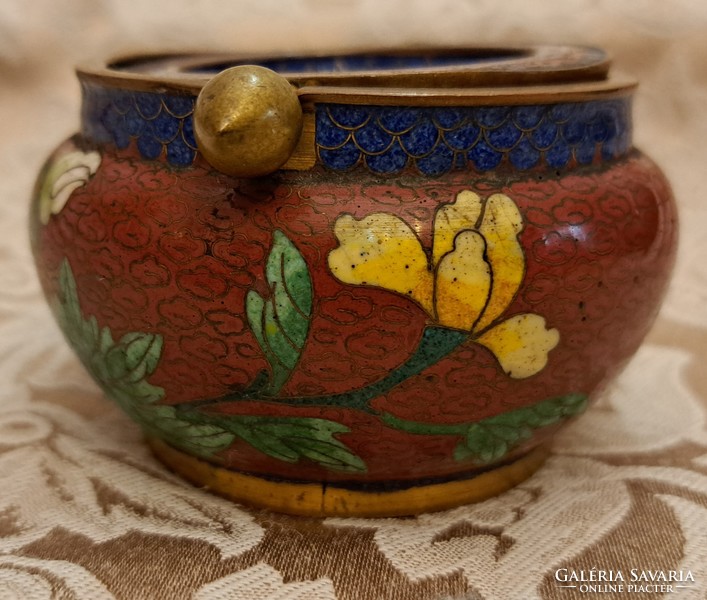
[{"x": 355, "y": 285}]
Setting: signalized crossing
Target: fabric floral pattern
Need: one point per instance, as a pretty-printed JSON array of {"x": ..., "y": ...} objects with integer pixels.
[
  {"x": 22, "y": 577},
  {"x": 476, "y": 269},
  {"x": 262, "y": 582},
  {"x": 83, "y": 481}
]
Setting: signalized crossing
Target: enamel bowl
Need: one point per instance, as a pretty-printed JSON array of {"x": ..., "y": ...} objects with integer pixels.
[{"x": 355, "y": 285}]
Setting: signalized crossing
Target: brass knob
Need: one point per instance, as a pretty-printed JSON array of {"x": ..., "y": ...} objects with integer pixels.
[{"x": 247, "y": 121}]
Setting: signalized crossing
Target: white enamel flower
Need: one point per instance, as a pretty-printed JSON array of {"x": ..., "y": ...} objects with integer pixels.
[{"x": 63, "y": 175}]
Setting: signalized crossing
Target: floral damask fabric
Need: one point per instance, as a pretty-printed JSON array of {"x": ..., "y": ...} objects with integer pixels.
[{"x": 87, "y": 513}]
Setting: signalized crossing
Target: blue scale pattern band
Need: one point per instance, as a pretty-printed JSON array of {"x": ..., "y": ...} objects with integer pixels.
[
  {"x": 160, "y": 124},
  {"x": 435, "y": 140},
  {"x": 384, "y": 139}
]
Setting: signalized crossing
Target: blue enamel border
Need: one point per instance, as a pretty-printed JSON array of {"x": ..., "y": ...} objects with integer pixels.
[
  {"x": 160, "y": 124},
  {"x": 435, "y": 140},
  {"x": 383, "y": 139}
]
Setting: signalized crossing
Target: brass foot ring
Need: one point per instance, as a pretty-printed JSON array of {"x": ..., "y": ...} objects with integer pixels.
[{"x": 317, "y": 500}]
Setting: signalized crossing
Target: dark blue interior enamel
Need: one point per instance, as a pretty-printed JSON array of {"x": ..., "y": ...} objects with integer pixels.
[
  {"x": 386, "y": 139},
  {"x": 367, "y": 62}
]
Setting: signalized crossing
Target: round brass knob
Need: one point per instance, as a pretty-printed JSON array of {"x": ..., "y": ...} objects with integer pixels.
[{"x": 247, "y": 121}]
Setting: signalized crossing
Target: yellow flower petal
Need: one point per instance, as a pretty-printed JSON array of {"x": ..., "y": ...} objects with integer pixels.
[
  {"x": 463, "y": 282},
  {"x": 452, "y": 218},
  {"x": 381, "y": 250},
  {"x": 521, "y": 344},
  {"x": 501, "y": 224}
]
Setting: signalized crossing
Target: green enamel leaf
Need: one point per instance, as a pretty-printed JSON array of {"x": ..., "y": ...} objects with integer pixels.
[
  {"x": 490, "y": 442},
  {"x": 280, "y": 323},
  {"x": 482, "y": 445},
  {"x": 255, "y": 311},
  {"x": 295, "y": 438},
  {"x": 491, "y": 439},
  {"x": 198, "y": 439},
  {"x": 288, "y": 276},
  {"x": 462, "y": 452},
  {"x": 142, "y": 351},
  {"x": 331, "y": 454},
  {"x": 281, "y": 345},
  {"x": 274, "y": 447},
  {"x": 83, "y": 334},
  {"x": 122, "y": 370}
]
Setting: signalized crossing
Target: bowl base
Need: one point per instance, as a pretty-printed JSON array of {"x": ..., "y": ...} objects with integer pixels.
[{"x": 319, "y": 500}]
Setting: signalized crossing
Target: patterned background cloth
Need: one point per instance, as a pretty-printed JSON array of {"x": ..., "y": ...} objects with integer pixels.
[{"x": 87, "y": 513}]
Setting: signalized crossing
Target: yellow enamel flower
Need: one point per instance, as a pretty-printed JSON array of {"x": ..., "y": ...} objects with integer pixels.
[{"x": 476, "y": 269}]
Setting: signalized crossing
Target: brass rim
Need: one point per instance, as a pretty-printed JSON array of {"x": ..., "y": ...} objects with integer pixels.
[
  {"x": 317, "y": 500},
  {"x": 518, "y": 75}
]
